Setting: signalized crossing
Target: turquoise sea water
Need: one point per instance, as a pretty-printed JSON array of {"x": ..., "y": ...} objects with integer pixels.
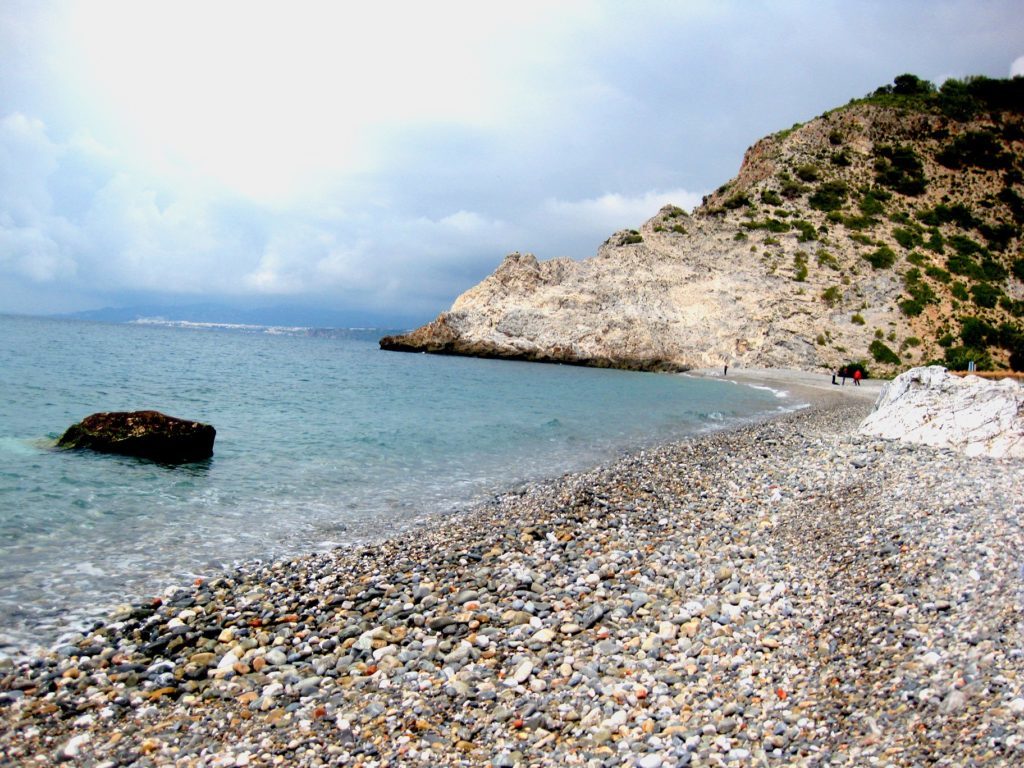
[{"x": 322, "y": 439}]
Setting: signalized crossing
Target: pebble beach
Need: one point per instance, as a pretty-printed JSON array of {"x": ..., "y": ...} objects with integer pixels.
[{"x": 785, "y": 593}]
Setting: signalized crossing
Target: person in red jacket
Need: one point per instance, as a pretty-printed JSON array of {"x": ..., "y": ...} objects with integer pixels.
[{"x": 856, "y": 378}]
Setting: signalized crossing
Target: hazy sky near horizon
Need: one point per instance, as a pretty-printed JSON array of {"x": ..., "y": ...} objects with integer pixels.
[{"x": 384, "y": 159}]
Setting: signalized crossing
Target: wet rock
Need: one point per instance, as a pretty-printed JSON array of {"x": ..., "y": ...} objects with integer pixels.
[{"x": 145, "y": 434}]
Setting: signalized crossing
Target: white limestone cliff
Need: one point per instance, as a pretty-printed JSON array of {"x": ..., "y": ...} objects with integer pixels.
[
  {"x": 932, "y": 407},
  {"x": 846, "y": 239}
]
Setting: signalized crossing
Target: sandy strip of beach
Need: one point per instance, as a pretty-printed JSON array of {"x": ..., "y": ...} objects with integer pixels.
[
  {"x": 785, "y": 593},
  {"x": 816, "y": 388}
]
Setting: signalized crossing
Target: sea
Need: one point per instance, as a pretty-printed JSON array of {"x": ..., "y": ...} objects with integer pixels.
[{"x": 323, "y": 440}]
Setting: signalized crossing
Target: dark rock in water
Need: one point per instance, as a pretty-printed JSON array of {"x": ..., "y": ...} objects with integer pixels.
[{"x": 146, "y": 434}]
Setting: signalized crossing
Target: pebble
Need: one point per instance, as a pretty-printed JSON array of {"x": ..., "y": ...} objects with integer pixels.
[
  {"x": 523, "y": 672},
  {"x": 786, "y": 593}
]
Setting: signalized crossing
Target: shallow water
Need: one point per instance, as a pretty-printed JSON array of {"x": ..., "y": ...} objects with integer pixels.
[{"x": 321, "y": 440}]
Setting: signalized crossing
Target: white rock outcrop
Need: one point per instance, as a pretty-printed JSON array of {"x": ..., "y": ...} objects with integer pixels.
[{"x": 970, "y": 414}]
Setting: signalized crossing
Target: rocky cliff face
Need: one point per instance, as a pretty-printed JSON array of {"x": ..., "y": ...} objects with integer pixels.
[{"x": 888, "y": 231}]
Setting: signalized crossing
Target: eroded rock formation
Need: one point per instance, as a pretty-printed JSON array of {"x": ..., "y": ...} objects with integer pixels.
[{"x": 969, "y": 414}]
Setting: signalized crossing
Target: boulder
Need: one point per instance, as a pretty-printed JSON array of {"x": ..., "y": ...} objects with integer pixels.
[
  {"x": 146, "y": 434},
  {"x": 970, "y": 414}
]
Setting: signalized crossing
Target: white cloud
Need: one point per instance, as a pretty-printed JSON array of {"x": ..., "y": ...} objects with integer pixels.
[
  {"x": 615, "y": 211},
  {"x": 1017, "y": 68},
  {"x": 32, "y": 254},
  {"x": 263, "y": 96},
  {"x": 390, "y": 155}
]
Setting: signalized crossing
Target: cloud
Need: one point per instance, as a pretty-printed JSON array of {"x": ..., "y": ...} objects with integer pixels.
[
  {"x": 35, "y": 243},
  {"x": 390, "y": 157},
  {"x": 74, "y": 217},
  {"x": 615, "y": 211},
  {"x": 1017, "y": 67}
]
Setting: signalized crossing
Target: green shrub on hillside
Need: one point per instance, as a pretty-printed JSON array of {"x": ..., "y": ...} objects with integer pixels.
[
  {"x": 956, "y": 101},
  {"x": 882, "y": 258},
  {"x": 736, "y": 201},
  {"x": 959, "y": 358},
  {"x": 900, "y": 169},
  {"x": 921, "y": 294},
  {"x": 770, "y": 197},
  {"x": 965, "y": 246},
  {"x": 993, "y": 270},
  {"x": 807, "y": 173},
  {"x": 976, "y": 332},
  {"x": 978, "y": 335},
  {"x": 840, "y": 159},
  {"x": 911, "y": 85},
  {"x": 961, "y": 264},
  {"x": 1014, "y": 306},
  {"x": 937, "y": 273},
  {"x": 910, "y": 307},
  {"x": 959, "y": 291},
  {"x": 872, "y": 202},
  {"x": 857, "y": 319},
  {"x": 907, "y": 237},
  {"x": 858, "y": 222},
  {"x": 882, "y": 354},
  {"x": 829, "y": 196},
  {"x": 977, "y": 149},
  {"x": 985, "y": 295},
  {"x": 832, "y": 295},
  {"x": 790, "y": 188},
  {"x": 942, "y": 213},
  {"x": 826, "y": 259},
  {"x": 1018, "y": 269},
  {"x": 807, "y": 231},
  {"x": 999, "y": 235},
  {"x": 1013, "y": 201},
  {"x": 800, "y": 266},
  {"x": 935, "y": 242},
  {"x": 772, "y": 225}
]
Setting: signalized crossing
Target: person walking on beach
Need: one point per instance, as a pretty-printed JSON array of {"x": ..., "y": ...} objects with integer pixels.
[
  {"x": 856, "y": 378},
  {"x": 725, "y": 371}
]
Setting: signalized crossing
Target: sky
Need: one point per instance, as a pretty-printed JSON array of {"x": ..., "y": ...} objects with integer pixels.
[{"x": 380, "y": 159}]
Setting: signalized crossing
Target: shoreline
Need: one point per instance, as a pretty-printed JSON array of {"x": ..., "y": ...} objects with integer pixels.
[
  {"x": 717, "y": 600},
  {"x": 816, "y": 388},
  {"x": 30, "y": 642}
]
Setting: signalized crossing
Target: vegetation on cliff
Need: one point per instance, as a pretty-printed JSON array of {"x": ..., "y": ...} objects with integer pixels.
[{"x": 919, "y": 182}]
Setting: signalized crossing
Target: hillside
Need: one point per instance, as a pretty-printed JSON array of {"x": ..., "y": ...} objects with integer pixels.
[{"x": 887, "y": 232}]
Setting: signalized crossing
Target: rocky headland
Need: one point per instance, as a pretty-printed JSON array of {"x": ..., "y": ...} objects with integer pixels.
[{"x": 887, "y": 231}]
